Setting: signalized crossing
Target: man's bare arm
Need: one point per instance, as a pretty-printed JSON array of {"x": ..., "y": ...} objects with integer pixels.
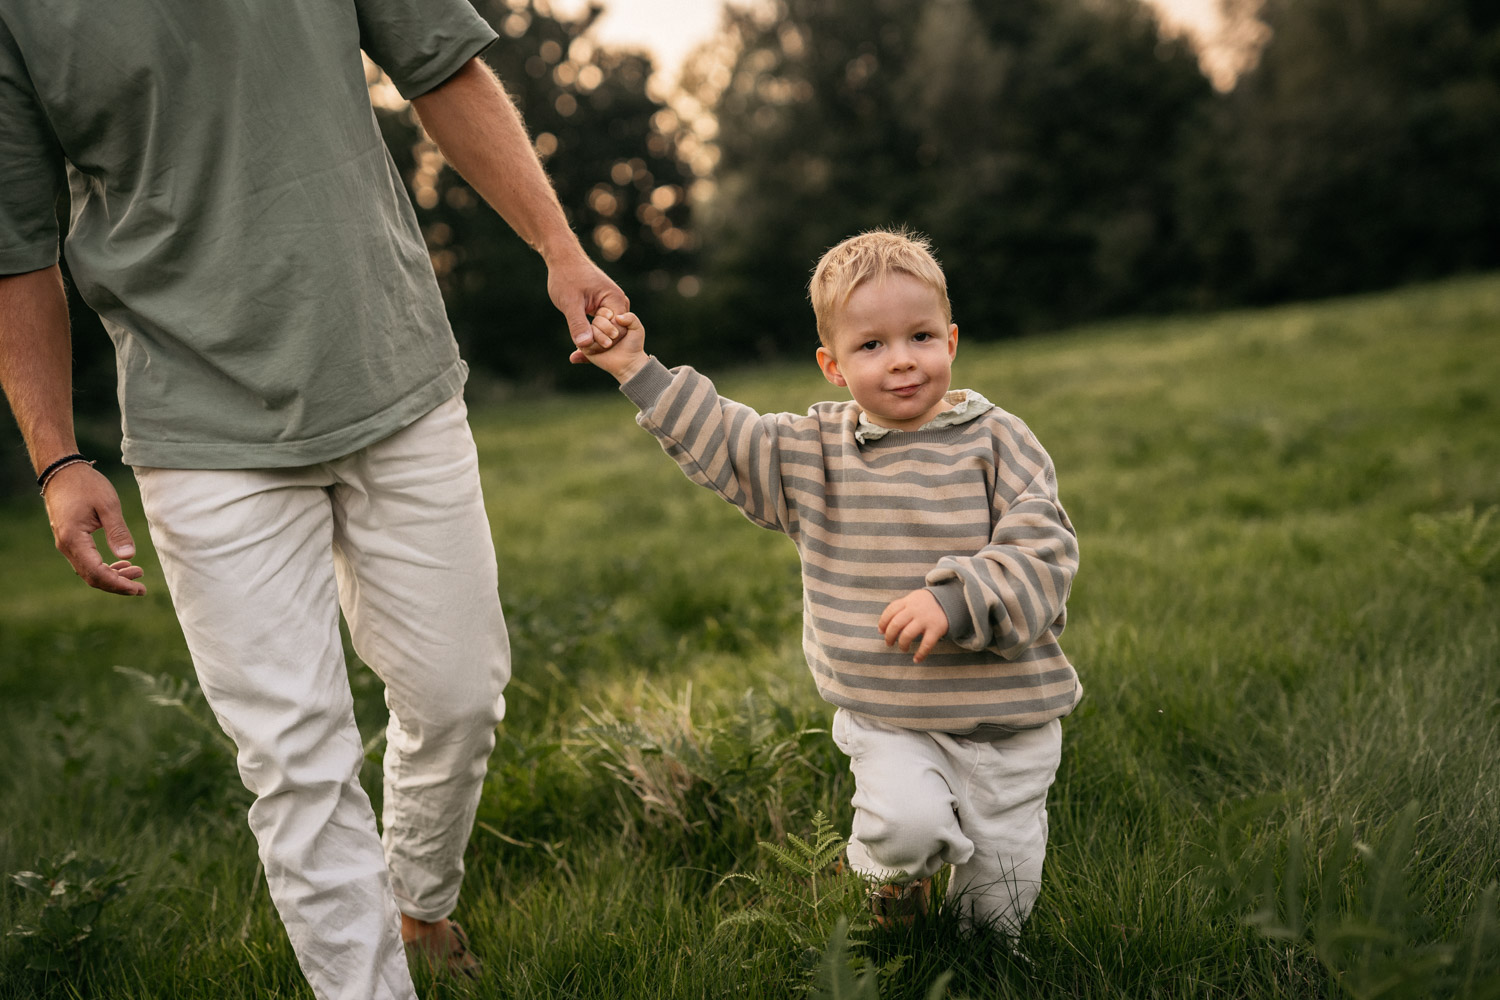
[
  {"x": 480, "y": 133},
  {"x": 36, "y": 371}
]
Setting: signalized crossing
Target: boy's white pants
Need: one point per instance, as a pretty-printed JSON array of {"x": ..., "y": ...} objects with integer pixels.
[
  {"x": 258, "y": 563},
  {"x": 923, "y": 800}
]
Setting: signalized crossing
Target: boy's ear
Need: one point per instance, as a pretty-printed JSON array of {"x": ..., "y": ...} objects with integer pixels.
[
  {"x": 952, "y": 341},
  {"x": 830, "y": 366}
]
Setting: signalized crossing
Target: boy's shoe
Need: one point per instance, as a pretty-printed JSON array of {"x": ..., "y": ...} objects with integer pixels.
[
  {"x": 899, "y": 904},
  {"x": 446, "y": 949}
]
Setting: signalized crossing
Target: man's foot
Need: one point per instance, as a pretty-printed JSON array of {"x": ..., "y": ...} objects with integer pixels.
[
  {"x": 899, "y": 904},
  {"x": 441, "y": 946}
]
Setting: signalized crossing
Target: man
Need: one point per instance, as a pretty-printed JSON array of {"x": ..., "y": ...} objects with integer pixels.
[{"x": 290, "y": 396}]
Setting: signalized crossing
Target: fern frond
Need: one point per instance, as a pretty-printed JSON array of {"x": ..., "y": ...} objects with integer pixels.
[
  {"x": 754, "y": 880},
  {"x": 758, "y": 916},
  {"x": 791, "y": 862}
]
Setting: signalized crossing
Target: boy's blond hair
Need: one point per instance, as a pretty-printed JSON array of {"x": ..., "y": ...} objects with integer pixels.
[{"x": 871, "y": 256}]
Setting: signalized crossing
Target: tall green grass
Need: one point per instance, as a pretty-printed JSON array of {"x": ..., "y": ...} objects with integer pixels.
[{"x": 1281, "y": 781}]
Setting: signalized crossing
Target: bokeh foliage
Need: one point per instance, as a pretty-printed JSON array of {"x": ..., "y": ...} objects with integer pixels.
[
  {"x": 1035, "y": 141},
  {"x": 1068, "y": 160},
  {"x": 598, "y": 131}
]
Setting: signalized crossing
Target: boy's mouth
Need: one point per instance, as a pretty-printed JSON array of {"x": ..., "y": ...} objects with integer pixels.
[{"x": 906, "y": 390}]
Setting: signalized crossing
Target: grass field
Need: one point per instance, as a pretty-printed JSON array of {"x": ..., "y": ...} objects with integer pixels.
[{"x": 1282, "y": 780}]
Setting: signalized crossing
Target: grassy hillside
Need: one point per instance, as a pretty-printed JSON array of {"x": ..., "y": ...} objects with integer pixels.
[{"x": 1281, "y": 781}]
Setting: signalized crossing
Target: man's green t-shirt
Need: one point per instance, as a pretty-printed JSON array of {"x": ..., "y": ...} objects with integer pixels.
[{"x": 236, "y": 218}]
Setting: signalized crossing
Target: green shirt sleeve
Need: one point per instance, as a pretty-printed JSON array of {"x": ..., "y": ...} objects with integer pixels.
[
  {"x": 31, "y": 164},
  {"x": 419, "y": 45}
]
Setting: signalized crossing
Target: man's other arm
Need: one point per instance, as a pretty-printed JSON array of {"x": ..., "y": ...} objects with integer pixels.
[
  {"x": 36, "y": 371},
  {"x": 480, "y": 133}
]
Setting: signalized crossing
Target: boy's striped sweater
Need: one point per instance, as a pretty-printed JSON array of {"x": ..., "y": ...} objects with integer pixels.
[{"x": 970, "y": 511}]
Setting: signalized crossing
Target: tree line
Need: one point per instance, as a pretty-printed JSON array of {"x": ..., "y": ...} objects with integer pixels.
[{"x": 1069, "y": 161}]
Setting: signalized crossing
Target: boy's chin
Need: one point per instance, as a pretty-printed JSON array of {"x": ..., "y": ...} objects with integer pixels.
[{"x": 905, "y": 418}]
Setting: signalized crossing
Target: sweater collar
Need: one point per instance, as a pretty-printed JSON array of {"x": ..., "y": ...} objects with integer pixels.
[{"x": 963, "y": 405}]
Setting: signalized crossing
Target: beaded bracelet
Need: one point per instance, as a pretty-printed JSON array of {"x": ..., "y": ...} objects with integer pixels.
[{"x": 56, "y": 467}]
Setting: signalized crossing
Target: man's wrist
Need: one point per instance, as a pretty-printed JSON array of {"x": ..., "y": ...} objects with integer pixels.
[
  {"x": 60, "y": 469},
  {"x": 56, "y": 448},
  {"x": 560, "y": 247}
]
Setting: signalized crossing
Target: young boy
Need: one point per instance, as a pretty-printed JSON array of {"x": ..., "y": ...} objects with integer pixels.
[{"x": 936, "y": 562}]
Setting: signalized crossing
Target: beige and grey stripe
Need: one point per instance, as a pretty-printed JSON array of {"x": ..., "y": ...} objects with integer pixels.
[{"x": 969, "y": 511}]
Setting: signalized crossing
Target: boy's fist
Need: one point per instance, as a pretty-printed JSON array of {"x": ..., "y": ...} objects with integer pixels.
[
  {"x": 916, "y": 618},
  {"x": 626, "y": 338}
]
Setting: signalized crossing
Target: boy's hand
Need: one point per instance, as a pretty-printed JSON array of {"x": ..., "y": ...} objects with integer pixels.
[
  {"x": 626, "y": 337},
  {"x": 918, "y": 615}
]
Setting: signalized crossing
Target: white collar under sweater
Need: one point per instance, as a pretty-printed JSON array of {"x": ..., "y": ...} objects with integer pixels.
[{"x": 963, "y": 405}]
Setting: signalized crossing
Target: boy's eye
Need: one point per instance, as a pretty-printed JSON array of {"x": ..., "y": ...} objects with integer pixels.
[
  {"x": 869, "y": 345},
  {"x": 920, "y": 337}
]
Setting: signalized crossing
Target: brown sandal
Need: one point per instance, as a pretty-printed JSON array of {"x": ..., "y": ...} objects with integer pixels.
[
  {"x": 444, "y": 950},
  {"x": 897, "y": 904}
]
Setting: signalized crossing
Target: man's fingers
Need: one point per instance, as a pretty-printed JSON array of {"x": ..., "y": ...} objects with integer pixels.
[
  {"x": 126, "y": 569},
  {"x": 614, "y": 299},
  {"x": 579, "y": 328},
  {"x": 78, "y": 549},
  {"x": 116, "y": 534},
  {"x": 118, "y": 578},
  {"x": 114, "y": 581}
]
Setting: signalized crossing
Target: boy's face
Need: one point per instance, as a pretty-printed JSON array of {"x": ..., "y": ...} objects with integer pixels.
[{"x": 892, "y": 349}]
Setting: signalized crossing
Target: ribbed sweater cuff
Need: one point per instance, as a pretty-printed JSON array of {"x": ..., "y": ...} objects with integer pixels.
[
  {"x": 646, "y": 386},
  {"x": 950, "y": 597}
]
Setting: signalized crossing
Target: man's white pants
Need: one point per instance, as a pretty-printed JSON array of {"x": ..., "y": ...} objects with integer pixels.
[
  {"x": 258, "y": 563},
  {"x": 923, "y": 800}
]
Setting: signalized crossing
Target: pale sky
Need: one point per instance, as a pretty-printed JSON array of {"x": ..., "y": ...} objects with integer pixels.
[
  {"x": 671, "y": 28},
  {"x": 668, "y": 28}
]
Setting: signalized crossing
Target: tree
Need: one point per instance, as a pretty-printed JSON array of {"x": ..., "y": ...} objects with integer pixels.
[
  {"x": 603, "y": 139},
  {"x": 1037, "y": 141},
  {"x": 1366, "y": 143}
]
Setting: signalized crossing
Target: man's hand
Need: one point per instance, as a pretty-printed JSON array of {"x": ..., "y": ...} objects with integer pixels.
[
  {"x": 916, "y": 616},
  {"x": 579, "y": 290},
  {"x": 81, "y": 501},
  {"x": 624, "y": 338}
]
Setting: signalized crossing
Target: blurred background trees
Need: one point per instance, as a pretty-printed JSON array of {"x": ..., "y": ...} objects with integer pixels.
[
  {"x": 1068, "y": 158},
  {"x": 607, "y": 145},
  {"x": 1364, "y": 148},
  {"x": 1038, "y": 142},
  {"x": 1071, "y": 162}
]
